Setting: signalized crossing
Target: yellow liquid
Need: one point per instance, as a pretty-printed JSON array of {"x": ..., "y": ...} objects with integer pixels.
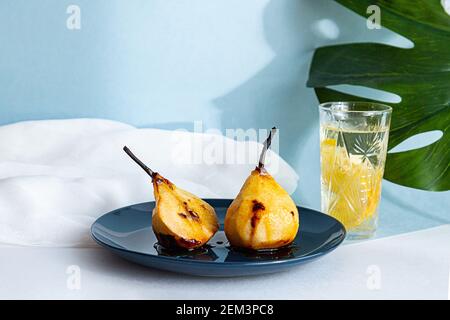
[{"x": 352, "y": 164}]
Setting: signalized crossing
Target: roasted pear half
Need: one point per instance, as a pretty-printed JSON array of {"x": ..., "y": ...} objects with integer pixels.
[
  {"x": 180, "y": 219},
  {"x": 263, "y": 215}
]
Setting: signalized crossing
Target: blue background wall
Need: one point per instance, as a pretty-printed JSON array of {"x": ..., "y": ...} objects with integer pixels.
[{"x": 167, "y": 63}]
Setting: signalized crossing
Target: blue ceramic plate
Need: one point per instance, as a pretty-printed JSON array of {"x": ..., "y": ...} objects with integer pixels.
[{"x": 128, "y": 232}]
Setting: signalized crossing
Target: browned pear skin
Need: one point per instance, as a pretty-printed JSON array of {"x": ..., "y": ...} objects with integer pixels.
[
  {"x": 263, "y": 215},
  {"x": 181, "y": 219}
]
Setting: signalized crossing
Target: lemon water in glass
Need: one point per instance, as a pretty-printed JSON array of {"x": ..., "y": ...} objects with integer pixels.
[{"x": 353, "y": 146}]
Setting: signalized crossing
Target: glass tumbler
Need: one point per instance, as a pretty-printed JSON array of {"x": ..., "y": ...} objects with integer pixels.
[{"x": 353, "y": 147}]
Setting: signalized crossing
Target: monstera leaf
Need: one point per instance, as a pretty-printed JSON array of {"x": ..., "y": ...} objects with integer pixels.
[{"x": 420, "y": 76}]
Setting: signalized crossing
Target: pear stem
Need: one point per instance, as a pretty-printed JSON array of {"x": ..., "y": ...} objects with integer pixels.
[
  {"x": 266, "y": 146},
  {"x": 149, "y": 171}
]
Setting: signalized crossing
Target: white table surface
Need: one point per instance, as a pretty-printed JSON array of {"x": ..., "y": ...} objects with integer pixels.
[{"x": 414, "y": 265}]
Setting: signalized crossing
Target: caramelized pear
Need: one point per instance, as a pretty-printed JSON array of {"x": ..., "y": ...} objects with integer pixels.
[
  {"x": 180, "y": 219},
  {"x": 263, "y": 215}
]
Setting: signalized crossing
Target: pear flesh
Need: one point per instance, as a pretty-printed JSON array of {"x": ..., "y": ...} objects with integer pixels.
[
  {"x": 180, "y": 219},
  {"x": 263, "y": 215}
]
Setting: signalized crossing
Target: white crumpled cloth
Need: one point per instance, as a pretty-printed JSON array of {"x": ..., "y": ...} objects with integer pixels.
[{"x": 58, "y": 176}]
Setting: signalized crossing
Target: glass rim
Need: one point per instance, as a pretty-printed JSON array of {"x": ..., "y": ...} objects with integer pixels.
[{"x": 372, "y": 108}]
